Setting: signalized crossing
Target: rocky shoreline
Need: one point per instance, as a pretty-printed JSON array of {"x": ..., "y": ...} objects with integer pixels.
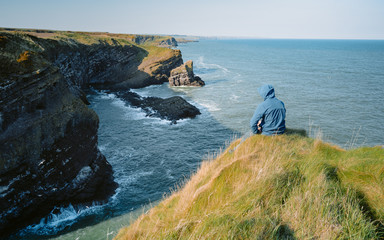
[{"x": 48, "y": 136}]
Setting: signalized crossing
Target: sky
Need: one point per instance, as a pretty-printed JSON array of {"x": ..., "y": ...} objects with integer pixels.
[{"x": 309, "y": 19}]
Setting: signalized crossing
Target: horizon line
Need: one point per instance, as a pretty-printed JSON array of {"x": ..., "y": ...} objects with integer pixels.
[{"x": 218, "y": 37}]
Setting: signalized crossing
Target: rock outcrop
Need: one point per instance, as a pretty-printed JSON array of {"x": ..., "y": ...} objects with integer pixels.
[
  {"x": 172, "y": 109},
  {"x": 184, "y": 76},
  {"x": 48, "y": 136}
]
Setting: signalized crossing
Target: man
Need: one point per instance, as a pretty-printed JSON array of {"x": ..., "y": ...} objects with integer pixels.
[{"x": 269, "y": 117}]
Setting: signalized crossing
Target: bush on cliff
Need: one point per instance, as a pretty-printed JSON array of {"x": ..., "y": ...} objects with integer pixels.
[{"x": 282, "y": 187}]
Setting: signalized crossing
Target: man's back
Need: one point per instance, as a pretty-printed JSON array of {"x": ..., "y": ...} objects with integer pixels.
[{"x": 271, "y": 112}]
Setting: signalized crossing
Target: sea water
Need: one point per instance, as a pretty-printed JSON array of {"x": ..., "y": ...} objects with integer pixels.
[
  {"x": 335, "y": 86},
  {"x": 332, "y": 88}
]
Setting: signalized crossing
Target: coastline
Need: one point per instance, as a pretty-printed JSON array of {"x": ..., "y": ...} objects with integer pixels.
[
  {"x": 58, "y": 66},
  {"x": 209, "y": 68}
]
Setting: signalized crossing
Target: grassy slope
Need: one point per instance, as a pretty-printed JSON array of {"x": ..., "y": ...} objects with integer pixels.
[{"x": 283, "y": 187}]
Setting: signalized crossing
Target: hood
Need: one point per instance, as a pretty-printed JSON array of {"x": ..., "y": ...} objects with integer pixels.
[{"x": 266, "y": 91}]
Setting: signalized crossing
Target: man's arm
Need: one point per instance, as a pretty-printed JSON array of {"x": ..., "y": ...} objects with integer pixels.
[{"x": 256, "y": 119}]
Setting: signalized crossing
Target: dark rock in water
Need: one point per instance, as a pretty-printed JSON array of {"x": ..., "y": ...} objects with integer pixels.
[
  {"x": 199, "y": 81},
  {"x": 173, "y": 108},
  {"x": 184, "y": 76}
]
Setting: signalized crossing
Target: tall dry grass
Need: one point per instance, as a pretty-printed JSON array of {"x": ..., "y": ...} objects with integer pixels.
[{"x": 281, "y": 187}]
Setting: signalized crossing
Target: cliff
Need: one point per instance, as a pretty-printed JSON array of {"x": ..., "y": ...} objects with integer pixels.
[
  {"x": 48, "y": 136},
  {"x": 281, "y": 187}
]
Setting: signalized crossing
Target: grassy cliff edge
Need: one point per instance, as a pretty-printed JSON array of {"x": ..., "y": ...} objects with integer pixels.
[{"x": 281, "y": 187}]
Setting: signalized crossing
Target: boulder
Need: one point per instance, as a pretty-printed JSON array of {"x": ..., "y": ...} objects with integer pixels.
[
  {"x": 173, "y": 108},
  {"x": 184, "y": 76}
]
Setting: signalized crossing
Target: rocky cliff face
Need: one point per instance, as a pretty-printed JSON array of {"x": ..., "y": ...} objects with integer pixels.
[
  {"x": 48, "y": 136},
  {"x": 114, "y": 66}
]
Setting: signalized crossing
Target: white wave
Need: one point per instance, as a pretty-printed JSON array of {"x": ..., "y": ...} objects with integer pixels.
[
  {"x": 134, "y": 113},
  {"x": 119, "y": 102},
  {"x": 201, "y": 64},
  {"x": 155, "y": 121},
  {"x": 114, "y": 198},
  {"x": 234, "y": 98},
  {"x": 210, "y": 105},
  {"x": 102, "y": 148},
  {"x": 64, "y": 218},
  {"x": 182, "y": 122},
  {"x": 169, "y": 174},
  {"x": 125, "y": 179},
  {"x": 104, "y": 95},
  {"x": 146, "y": 91}
]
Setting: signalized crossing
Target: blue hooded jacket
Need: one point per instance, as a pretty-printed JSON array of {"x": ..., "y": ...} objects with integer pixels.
[{"x": 271, "y": 111}]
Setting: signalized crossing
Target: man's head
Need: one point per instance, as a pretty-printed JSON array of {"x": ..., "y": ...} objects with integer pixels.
[{"x": 266, "y": 91}]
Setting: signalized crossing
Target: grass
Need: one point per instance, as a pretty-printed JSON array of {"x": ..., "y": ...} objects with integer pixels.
[
  {"x": 155, "y": 56},
  {"x": 281, "y": 187}
]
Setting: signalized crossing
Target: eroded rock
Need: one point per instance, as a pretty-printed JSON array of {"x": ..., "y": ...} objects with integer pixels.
[{"x": 184, "y": 76}]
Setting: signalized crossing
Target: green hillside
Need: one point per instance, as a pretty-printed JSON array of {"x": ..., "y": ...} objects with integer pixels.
[{"x": 281, "y": 187}]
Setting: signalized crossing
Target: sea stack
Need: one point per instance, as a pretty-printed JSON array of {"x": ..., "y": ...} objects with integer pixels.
[{"x": 184, "y": 76}]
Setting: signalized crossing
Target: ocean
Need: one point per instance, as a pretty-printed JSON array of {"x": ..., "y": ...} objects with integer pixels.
[{"x": 331, "y": 88}]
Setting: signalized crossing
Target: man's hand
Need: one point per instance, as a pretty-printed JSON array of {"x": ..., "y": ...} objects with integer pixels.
[{"x": 259, "y": 125}]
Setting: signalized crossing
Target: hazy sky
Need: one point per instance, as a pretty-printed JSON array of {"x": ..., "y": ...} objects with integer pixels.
[{"x": 361, "y": 19}]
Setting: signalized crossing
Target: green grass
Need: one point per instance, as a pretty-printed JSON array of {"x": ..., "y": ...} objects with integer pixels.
[{"x": 282, "y": 187}]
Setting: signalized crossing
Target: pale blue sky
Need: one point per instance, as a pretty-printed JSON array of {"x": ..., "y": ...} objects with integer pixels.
[{"x": 356, "y": 19}]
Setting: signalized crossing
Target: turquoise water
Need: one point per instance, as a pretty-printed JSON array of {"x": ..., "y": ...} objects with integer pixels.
[{"x": 330, "y": 87}]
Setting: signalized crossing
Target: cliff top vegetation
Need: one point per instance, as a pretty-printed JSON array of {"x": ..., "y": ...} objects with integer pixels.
[
  {"x": 89, "y": 38},
  {"x": 156, "y": 47},
  {"x": 280, "y": 187},
  {"x": 22, "y": 49}
]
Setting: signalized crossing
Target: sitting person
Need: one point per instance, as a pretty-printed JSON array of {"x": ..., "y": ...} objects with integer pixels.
[{"x": 269, "y": 117}]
